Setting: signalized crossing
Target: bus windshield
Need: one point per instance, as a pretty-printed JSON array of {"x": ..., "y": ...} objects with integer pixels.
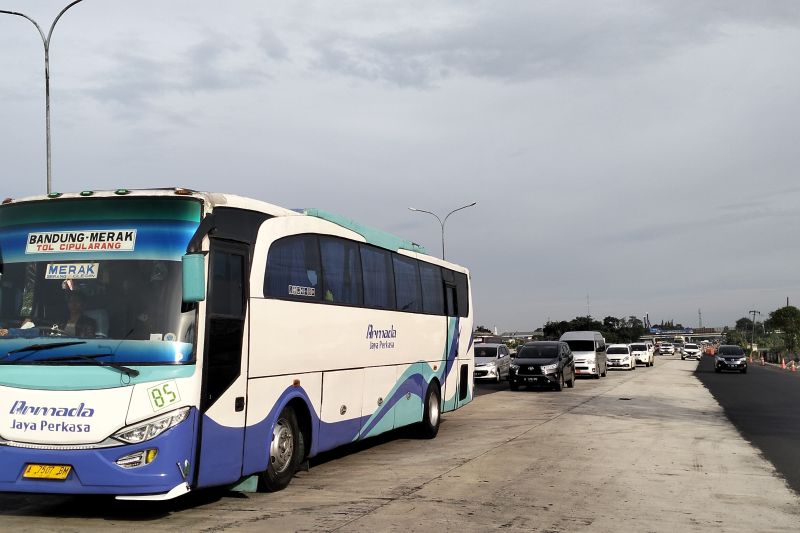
[
  {"x": 102, "y": 271},
  {"x": 130, "y": 310}
]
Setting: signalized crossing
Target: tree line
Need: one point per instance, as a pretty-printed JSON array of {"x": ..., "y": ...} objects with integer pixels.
[
  {"x": 780, "y": 332},
  {"x": 614, "y": 330}
]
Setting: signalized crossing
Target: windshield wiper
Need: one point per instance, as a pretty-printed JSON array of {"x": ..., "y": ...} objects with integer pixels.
[
  {"x": 131, "y": 372},
  {"x": 38, "y": 347}
]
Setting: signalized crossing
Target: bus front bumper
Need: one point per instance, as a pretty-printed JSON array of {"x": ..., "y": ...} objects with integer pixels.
[{"x": 95, "y": 471}]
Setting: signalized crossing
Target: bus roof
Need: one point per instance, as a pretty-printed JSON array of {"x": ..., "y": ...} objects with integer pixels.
[
  {"x": 212, "y": 200},
  {"x": 372, "y": 235}
]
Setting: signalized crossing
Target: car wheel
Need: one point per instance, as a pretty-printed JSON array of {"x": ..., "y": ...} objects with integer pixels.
[
  {"x": 498, "y": 377},
  {"x": 512, "y": 385},
  {"x": 286, "y": 450},
  {"x": 744, "y": 371},
  {"x": 717, "y": 370},
  {"x": 571, "y": 382},
  {"x": 432, "y": 415},
  {"x": 560, "y": 382}
]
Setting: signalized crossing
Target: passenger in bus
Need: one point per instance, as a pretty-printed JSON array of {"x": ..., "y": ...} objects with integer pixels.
[{"x": 78, "y": 324}]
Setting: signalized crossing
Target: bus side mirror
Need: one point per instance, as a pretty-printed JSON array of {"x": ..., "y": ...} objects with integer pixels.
[{"x": 194, "y": 277}]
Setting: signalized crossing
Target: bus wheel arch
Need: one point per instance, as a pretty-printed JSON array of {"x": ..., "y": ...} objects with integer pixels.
[{"x": 431, "y": 411}]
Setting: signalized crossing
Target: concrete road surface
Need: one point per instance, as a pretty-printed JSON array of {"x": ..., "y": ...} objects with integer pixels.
[{"x": 644, "y": 450}]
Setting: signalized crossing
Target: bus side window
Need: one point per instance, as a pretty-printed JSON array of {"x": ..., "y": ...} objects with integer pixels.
[
  {"x": 451, "y": 300},
  {"x": 341, "y": 271},
  {"x": 376, "y": 265},
  {"x": 407, "y": 285},
  {"x": 432, "y": 293},
  {"x": 293, "y": 269}
]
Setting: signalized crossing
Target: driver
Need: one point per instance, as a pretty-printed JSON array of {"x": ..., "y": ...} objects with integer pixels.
[{"x": 78, "y": 324}]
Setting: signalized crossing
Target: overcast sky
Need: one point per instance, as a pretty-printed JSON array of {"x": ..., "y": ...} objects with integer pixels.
[{"x": 643, "y": 154}]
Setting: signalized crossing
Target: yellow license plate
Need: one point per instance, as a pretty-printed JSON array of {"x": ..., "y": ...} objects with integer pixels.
[{"x": 47, "y": 471}]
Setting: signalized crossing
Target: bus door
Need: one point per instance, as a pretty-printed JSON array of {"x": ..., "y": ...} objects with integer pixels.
[
  {"x": 458, "y": 386},
  {"x": 224, "y": 391}
]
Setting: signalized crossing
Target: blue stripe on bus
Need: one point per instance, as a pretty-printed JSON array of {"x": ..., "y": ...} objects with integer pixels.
[
  {"x": 328, "y": 435},
  {"x": 155, "y": 240}
]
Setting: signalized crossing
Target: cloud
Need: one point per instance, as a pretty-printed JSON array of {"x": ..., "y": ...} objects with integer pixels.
[
  {"x": 517, "y": 42},
  {"x": 137, "y": 81}
]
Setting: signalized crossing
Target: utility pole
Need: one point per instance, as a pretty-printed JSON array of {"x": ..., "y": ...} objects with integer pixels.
[
  {"x": 700, "y": 319},
  {"x": 753, "y": 335}
]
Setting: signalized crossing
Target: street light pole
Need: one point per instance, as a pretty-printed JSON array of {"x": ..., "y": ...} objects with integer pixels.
[
  {"x": 753, "y": 335},
  {"x": 442, "y": 222},
  {"x": 46, "y": 43}
]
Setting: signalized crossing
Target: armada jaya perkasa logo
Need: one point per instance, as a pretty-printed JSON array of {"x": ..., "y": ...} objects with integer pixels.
[
  {"x": 79, "y": 412},
  {"x": 383, "y": 337}
]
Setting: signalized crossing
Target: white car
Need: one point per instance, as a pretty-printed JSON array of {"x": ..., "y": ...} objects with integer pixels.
[
  {"x": 619, "y": 356},
  {"x": 691, "y": 351},
  {"x": 667, "y": 348},
  {"x": 492, "y": 361},
  {"x": 642, "y": 353}
]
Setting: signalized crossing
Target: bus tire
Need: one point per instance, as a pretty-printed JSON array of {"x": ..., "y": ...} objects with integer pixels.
[
  {"x": 286, "y": 451},
  {"x": 431, "y": 413}
]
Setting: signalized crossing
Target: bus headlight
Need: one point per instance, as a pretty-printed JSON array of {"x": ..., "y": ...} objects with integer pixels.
[{"x": 151, "y": 428}]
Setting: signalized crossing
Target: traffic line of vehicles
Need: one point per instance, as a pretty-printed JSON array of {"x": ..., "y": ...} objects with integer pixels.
[{"x": 556, "y": 364}]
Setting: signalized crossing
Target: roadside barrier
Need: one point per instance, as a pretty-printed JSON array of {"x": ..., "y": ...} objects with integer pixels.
[
  {"x": 751, "y": 358},
  {"x": 783, "y": 363},
  {"x": 762, "y": 360},
  {"x": 794, "y": 366}
]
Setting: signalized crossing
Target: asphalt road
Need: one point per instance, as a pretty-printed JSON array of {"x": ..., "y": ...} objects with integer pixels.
[
  {"x": 764, "y": 405},
  {"x": 645, "y": 450}
]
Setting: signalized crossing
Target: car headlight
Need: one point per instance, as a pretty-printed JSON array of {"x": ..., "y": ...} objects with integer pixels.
[
  {"x": 626, "y": 358},
  {"x": 151, "y": 428},
  {"x": 742, "y": 360},
  {"x": 513, "y": 366},
  {"x": 549, "y": 369}
]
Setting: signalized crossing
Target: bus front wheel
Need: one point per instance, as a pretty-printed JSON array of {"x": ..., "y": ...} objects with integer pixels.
[
  {"x": 285, "y": 452},
  {"x": 432, "y": 413}
]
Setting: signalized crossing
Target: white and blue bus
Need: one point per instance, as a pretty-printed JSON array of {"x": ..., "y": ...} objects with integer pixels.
[{"x": 156, "y": 342}]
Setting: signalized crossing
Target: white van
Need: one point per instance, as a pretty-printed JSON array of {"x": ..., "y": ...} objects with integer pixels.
[{"x": 589, "y": 351}]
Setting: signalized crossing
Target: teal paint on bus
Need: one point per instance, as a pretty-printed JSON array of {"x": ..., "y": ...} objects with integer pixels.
[
  {"x": 372, "y": 235},
  {"x": 83, "y": 377}
]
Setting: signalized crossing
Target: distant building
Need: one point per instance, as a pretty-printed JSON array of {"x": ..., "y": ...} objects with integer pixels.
[{"x": 523, "y": 336}]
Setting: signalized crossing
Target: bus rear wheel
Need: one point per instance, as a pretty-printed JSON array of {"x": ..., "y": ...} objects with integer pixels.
[
  {"x": 432, "y": 413},
  {"x": 286, "y": 450}
]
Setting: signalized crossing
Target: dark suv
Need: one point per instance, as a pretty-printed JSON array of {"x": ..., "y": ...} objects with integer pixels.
[
  {"x": 543, "y": 363},
  {"x": 730, "y": 357}
]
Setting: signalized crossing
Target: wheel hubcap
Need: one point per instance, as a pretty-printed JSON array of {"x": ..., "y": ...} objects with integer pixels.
[
  {"x": 281, "y": 448},
  {"x": 433, "y": 410}
]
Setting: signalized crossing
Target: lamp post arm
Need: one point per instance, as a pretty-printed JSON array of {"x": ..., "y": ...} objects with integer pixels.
[
  {"x": 46, "y": 43},
  {"x": 53, "y": 25},
  {"x": 38, "y": 28},
  {"x": 459, "y": 209}
]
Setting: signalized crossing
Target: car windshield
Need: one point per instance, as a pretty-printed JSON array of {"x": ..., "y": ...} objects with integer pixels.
[
  {"x": 481, "y": 351},
  {"x": 617, "y": 350},
  {"x": 731, "y": 350},
  {"x": 545, "y": 351},
  {"x": 691, "y": 346},
  {"x": 581, "y": 345},
  {"x": 638, "y": 347}
]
